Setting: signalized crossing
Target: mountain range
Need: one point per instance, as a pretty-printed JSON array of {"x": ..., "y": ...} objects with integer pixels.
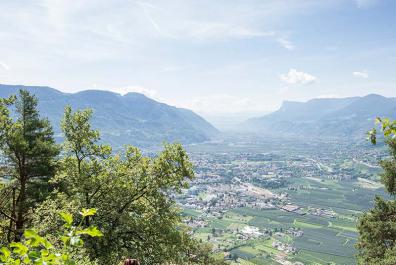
[
  {"x": 328, "y": 117},
  {"x": 136, "y": 119},
  {"x": 132, "y": 118}
]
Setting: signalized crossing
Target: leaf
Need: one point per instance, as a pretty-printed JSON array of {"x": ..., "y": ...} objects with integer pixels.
[
  {"x": 6, "y": 252},
  {"x": 29, "y": 233},
  {"x": 65, "y": 240},
  {"x": 91, "y": 231},
  {"x": 67, "y": 217},
  {"x": 26, "y": 260},
  {"x": 19, "y": 248},
  {"x": 47, "y": 244},
  {"x": 33, "y": 254},
  {"x": 88, "y": 212},
  {"x": 35, "y": 239}
]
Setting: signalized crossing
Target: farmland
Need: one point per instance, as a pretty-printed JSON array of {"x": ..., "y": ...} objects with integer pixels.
[{"x": 274, "y": 205}]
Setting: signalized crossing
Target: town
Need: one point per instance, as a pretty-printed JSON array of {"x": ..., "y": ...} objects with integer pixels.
[{"x": 238, "y": 199}]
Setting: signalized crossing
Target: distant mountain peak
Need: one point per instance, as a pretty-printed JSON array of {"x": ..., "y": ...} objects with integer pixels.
[
  {"x": 96, "y": 91},
  {"x": 135, "y": 94},
  {"x": 132, "y": 118},
  {"x": 373, "y": 95},
  {"x": 330, "y": 117}
]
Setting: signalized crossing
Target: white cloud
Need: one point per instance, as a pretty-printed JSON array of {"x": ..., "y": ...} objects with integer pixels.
[
  {"x": 365, "y": 3},
  {"x": 213, "y": 30},
  {"x": 223, "y": 103},
  {"x": 298, "y": 77},
  {"x": 126, "y": 42},
  {"x": 194, "y": 23},
  {"x": 360, "y": 74},
  {"x": 285, "y": 43},
  {"x": 4, "y": 66},
  {"x": 146, "y": 11}
]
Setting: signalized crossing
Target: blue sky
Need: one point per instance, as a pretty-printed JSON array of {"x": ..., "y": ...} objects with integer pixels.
[{"x": 215, "y": 57}]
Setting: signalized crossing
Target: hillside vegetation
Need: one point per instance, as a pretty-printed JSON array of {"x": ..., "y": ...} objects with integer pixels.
[
  {"x": 124, "y": 199},
  {"x": 123, "y": 119}
]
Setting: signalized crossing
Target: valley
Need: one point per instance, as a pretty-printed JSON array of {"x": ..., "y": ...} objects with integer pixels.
[
  {"x": 256, "y": 198},
  {"x": 281, "y": 201}
]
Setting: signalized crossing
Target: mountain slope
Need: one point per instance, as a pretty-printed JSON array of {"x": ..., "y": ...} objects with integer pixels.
[
  {"x": 344, "y": 117},
  {"x": 132, "y": 118}
]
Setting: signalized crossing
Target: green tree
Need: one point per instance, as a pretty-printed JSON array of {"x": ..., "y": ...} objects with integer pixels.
[
  {"x": 28, "y": 161},
  {"x": 377, "y": 227},
  {"x": 133, "y": 194}
]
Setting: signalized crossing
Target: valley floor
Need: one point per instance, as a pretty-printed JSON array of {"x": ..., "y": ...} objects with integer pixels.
[{"x": 279, "y": 202}]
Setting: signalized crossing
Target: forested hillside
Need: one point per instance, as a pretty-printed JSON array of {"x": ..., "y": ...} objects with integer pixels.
[{"x": 132, "y": 118}]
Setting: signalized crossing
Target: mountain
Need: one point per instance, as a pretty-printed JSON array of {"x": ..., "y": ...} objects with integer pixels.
[
  {"x": 330, "y": 117},
  {"x": 123, "y": 119}
]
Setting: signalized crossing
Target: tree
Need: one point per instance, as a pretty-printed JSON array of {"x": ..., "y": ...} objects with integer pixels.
[
  {"x": 29, "y": 153},
  {"x": 377, "y": 227},
  {"x": 66, "y": 250},
  {"x": 132, "y": 192}
]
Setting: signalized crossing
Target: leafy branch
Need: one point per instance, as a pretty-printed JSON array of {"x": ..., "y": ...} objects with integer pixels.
[{"x": 37, "y": 250}]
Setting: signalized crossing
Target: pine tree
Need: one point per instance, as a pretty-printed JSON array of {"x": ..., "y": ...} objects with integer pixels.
[
  {"x": 377, "y": 227},
  {"x": 28, "y": 155}
]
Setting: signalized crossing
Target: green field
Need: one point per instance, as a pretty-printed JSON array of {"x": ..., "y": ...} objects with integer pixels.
[
  {"x": 332, "y": 183},
  {"x": 325, "y": 240}
]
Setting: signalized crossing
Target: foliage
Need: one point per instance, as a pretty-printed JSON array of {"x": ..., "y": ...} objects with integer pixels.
[
  {"x": 201, "y": 254},
  {"x": 377, "y": 228},
  {"x": 35, "y": 249},
  {"x": 29, "y": 152},
  {"x": 132, "y": 192},
  {"x": 387, "y": 126}
]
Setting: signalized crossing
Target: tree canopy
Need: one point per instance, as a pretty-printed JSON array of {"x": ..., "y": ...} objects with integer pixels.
[
  {"x": 131, "y": 196},
  {"x": 28, "y": 161},
  {"x": 377, "y": 227}
]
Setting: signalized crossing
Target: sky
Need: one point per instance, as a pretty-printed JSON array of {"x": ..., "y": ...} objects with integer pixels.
[{"x": 223, "y": 57}]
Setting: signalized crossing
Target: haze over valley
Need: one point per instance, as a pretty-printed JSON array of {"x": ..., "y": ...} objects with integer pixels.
[{"x": 137, "y": 119}]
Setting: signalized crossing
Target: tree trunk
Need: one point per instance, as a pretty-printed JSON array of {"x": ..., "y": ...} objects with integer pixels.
[
  {"x": 20, "y": 205},
  {"x": 13, "y": 217}
]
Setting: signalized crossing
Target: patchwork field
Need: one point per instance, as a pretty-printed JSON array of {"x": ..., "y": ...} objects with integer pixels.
[
  {"x": 315, "y": 191},
  {"x": 324, "y": 239}
]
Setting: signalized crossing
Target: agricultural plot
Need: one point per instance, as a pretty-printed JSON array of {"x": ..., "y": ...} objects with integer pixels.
[
  {"x": 324, "y": 239},
  {"x": 311, "y": 215}
]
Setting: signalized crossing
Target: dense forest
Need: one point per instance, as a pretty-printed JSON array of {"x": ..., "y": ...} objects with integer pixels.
[{"x": 78, "y": 202}]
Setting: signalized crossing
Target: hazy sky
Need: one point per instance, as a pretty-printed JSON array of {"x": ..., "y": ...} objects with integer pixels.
[{"x": 213, "y": 56}]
